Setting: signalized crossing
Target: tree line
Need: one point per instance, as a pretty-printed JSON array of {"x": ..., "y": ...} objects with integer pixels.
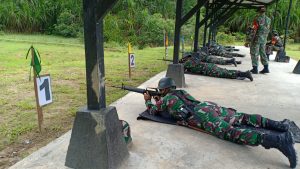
[{"x": 142, "y": 22}]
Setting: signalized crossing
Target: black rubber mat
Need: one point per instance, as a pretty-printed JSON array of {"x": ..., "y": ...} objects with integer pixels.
[{"x": 164, "y": 117}]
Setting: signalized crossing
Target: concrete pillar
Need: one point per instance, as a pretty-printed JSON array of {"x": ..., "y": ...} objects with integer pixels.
[
  {"x": 96, "y": 141},
  {"x": 176, "y": 72},
  {"x": 297, "y": 68}
]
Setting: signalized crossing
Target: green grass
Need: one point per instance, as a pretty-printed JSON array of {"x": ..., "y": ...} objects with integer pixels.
[
  {"x": 293, "y": 50},
  {"x": 64, "y": 60}
]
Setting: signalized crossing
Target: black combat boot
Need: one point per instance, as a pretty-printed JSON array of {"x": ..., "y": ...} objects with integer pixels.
[
  {"x": 232, "y": 61},
  {"x": 284, "y": 143},
  {"x": 243, "y": 75},
  {"x": 277, "y": 125},
  {"x": 265, "y": 70},
  {"x": 254, "y": 70}
]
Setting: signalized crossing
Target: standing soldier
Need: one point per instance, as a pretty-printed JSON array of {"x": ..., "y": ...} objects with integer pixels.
[{"x": 261, "y": 25}]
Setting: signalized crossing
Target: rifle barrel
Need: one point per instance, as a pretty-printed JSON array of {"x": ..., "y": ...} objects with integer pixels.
[{"x": 133, "y": 89}]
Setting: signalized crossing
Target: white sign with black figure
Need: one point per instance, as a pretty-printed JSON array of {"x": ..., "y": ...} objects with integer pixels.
[
  {"x": 44, "y": 90},
  {"x": 132, "y": 60}
]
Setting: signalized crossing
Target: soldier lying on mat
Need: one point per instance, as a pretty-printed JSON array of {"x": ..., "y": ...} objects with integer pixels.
[
  {"x": 221, "y": 121},
  {"x": 196, "y": 66}
]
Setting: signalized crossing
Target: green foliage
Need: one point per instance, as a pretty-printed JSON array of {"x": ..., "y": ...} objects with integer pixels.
[
  {"x": 141, "y": 22},
  {"x": 66, "y": 25},
  {"x": 243, "y": 18},
  {"x": 225, "y": 38}
]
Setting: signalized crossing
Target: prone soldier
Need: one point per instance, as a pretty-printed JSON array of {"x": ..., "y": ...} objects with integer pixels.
[
  {"x": 196, "y": 66},
  {"x": 221, "y": 122}
]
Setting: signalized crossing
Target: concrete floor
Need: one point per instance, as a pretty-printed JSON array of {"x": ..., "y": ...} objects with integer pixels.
[{"x": 161, "y": 146}]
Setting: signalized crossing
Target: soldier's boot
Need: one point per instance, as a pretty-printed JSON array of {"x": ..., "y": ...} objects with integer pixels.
[
  {"x": 284, "y": 143},
  {"x": 232, "y": 61},
  {"x": 254, "y": 70},
  {"x": 277, "y": 125},
  {"x": 238, "y": 62},
  {"x": 243, "y": 75},
  {"x": 265, "y": 69}
]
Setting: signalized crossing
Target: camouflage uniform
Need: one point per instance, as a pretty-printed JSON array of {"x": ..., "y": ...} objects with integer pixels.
[
  {"x": 208, "y": 69},
  {"x": 277, "y": 43},
  {"x": 203, "y": 57},
  {"x": 217, "y": 120},
  {"x": 257, "y": 47},
  {"x": 218, "y": 50}
]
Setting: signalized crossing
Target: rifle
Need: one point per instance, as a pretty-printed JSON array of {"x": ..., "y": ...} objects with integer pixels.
[{"x": 152, "y": 91}]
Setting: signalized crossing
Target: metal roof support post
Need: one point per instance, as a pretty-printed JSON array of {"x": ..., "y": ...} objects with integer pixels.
[
  {"x": 196, "y": 36},
  {"x": 209, "y": 15},
  {"x": 287, "y": 23},
  {"x": 205, "y": 26},
  {"x": 100, "y": 56},
  {"x": 104, "y": 147},
  {"x": 175, "y": 70},
  {"x": 227, "y": 15},
  {"x": 211, "y": 20},
  {"x": 177, "y": 31}
]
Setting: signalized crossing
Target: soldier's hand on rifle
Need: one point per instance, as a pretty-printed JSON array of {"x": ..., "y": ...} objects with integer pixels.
[
  {"x": 156, "y": 98},
  {"x": 147, "y": 96}
]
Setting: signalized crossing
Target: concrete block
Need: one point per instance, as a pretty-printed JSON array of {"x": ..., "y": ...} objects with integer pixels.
[
  {"x": 297, "y": 68},
  {"x": 176, "y": 72},
  {"x": 96, "y": 141}
]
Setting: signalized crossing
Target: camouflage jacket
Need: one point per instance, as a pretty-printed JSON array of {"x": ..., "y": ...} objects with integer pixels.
[
  {"x": 263, "y": 29},
  {"x": 172, "y": 103}
]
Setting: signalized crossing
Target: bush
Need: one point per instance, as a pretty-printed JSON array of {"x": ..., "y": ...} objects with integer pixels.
[
  {"x": 152, "y": 32},
  {"x": 239, "y": 36},
  {"x": 66, "y": 25},
  {"x": 225, "y": 38}
]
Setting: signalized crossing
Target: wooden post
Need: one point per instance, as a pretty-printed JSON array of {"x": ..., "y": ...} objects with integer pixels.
[
  {"x": 38, "y": 107},
  {"x": 166, "y": 43},
  {"x": 129, "y": 67}
]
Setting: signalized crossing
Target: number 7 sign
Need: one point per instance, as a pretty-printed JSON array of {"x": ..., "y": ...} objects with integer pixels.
[{"x": 44, "y": 90}]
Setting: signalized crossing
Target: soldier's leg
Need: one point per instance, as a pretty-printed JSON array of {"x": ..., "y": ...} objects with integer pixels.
[
  {"x": 212, "y": 119},
  {"x": 262, "y": 53},
  {"x": 254, "y": 51},
  {"x": 210, "y": 69},
  {"x": 213, "y": 123},
  {"x": 238, "y": 118},
  {"x": 220, "y": 61}
]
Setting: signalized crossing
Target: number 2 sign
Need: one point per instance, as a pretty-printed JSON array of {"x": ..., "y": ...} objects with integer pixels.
[
  {"x": 44, "y": 90},
  {"x": 132, "y": 60}
]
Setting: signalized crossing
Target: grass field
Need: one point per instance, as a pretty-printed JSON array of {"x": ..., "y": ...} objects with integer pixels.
[
  {"x": 293, "y": 50},
  {"x": 64, "y": 60}
]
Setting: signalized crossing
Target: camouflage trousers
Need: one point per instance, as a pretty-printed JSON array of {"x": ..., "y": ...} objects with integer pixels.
[
  {"x": 213, "y": 59},
  {"x": 209, "y": 69},
  {"x": 223, "y": 122},
  {"x": 258, "y": 49}
]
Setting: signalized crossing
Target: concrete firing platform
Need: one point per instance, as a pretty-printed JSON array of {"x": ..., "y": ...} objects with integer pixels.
[{"x": 161, "y": 146}]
